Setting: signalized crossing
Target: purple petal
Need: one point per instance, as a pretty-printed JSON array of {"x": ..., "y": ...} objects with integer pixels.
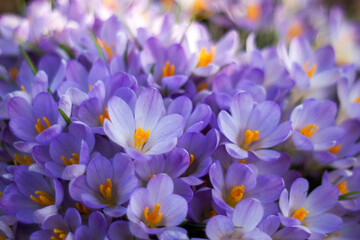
[
  {"x": 174, "y": 209},
  {"x": 148, "y": 109},
  {"x": 248, "y": 213}
]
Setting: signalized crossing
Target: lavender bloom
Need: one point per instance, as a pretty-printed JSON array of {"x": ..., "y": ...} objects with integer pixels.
[
  {"x": 96, "y": 228},
  {"x": 103, "y": 187},
  {"x": 251, "y": 127},
  {"x": 246, "y": 217},
  {"x": 155, "y": 207},
  {"x": 120, "y": 230},
  {"x": 36, "y": 123},
  {"x": 68, "y": 154},
  {"x": 313, "y": 124},
  {"x": 32, "y": 197},
  {"x": 349, "y": 96},
  {"x": 200, "y": 208},
  {"x": 310, "y": 211},
  {"x": 144, "y": 131},
  {"x": 58, "y": 227},
  {"x": 239, "y": 183}
]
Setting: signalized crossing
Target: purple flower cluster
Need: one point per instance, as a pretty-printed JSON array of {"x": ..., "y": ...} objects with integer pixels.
[{"x": 128, "y": 120}]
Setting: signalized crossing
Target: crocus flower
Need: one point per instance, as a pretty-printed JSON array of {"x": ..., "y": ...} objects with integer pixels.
[
  {"x": 103, "y": 187},
  {"x": 313, "y": 123},
  {"x": 143, "y": 132},
  {"x": 252, "y": 127},
  {"x": 156, "y": 207},
  {"x": 96, "y": 228},
  {"x": 32, "y": 197},
  {"x": 239, "y": 183},
  {"x": 242, "y": 225},
  {"x": 310, "y": 211},
  {"x": 349, "y": 96},
  {"x": 59, "y": 227}
]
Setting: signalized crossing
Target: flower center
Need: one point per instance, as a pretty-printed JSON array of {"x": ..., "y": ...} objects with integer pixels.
[
  {"x": 205, "y": 57},
  {"x": 140, "y": 137},
  {"x": 342, "y": 187},
  {"x": 300, "y": 214},
  {"x": 40, "y": 127},
  {"x": 22, "y": 160},
  {"x": 335, "y": 149},
  {"x": 104, "y": 116},
  {"x": 168, "y": 69},
  {"x": 309, "y": 71},
  {"x": 191, "y": 159},
  {"x": 309, "y": 130},
  {"x": 152, "y": 219},
  {"x": 1, "y": 194},
  {"x": 249, "y": 137},
  {"x": 106, "y": 191},
  {"x": 43, "y": 198},
  {"x": 74, "y": 160},
  {"x": 236, "y": 194},
  {"x": 107, "y": 48},
  {"x": 253, "y": 12},
  {"x": 82, "y": 209},
  {"x": 13, "y": 73},
  {"x": 296, "y": 29},
  {"x": 60, "y": 234},
  {"x": 357, "y": 100}
]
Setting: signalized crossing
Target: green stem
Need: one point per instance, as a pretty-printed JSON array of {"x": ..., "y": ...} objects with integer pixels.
[
  {"x": 28, "y": 60},
  {"x": 101, "y": 54}
]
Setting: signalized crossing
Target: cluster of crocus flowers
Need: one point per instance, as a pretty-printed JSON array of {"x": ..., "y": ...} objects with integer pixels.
[{"x": 152, "y": 120}]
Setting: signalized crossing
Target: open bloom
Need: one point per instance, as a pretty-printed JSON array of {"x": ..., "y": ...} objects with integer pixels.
[
  {"x": 253, "y": 127},
  {"x": 310, "y": 211},
  {"x": 145, "y": 131},
  {"x": 156, "y": 207}
]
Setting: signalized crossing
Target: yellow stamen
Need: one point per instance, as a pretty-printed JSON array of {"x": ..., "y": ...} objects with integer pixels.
[
  {"x": 140, "y": 137},
  {"x": 22, "y": 160},
  {"x": 43, "y": 198},
  {"x": 168, "y": 70},
  {"x": 300, "y": 214},
  {"x": 82, "y": 209},
  {"x": 107, "y": 48},
  {"x": 242, "y": 161},
  {"x": 40, "y": 127},
  {"x": 90, "y": 87},
  {"x": 191, "y": 159},
  {"x": 205, "y": 58},
  {"x": 1, "y": 194},
  {"x": 60, "y": 234},
  {"x": 342, "y": 187},
  {"x": 296, "y": 29},
  {"x": 74, "y": 160},
  {"x": 3, "y": 238},
  {"x": 309, "y": 130},
  {"x": 335, "y": 149},
  {"x": 309, "y": 71},
  {"x": 253, "y": 12},
  {"x": 106, "y": 191},
  {"x": 201, "y": 87},
  {"x": 13, "y": 73},
  {"x": 212, "y": 213},
  {"x": 249, "y": 137},
  {"x": 357, "y": 100},
  {"x": 23, "y": 88},
  {"x": 105, "y": 115},
  {"x": 236, "y": 194},
  {"x": 152, "y": 176},
  {"x": 152, "y": 219}
]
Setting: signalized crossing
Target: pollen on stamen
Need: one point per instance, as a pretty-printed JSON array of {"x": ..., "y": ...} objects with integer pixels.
[
  {"x": 60, "y": 234},
  {"x": 168, "y": 70},
  {"x": 22, "y": 160},
  {"x": 342, "y": 187},
  {"x": 309, "y": 130},
  {"x": 235, "y": 195},
  {"x": 141, "y": 137},
  {"x": 205, "y": 58},
  {"x": 335, "y": 149},
  {"x": 253, "y": 12},
  {"x": 43, "y": 198},
  {"x": 249, "y": 137},
  {"x": 107, "y": 48},
  {"x": 40, "y": 127},
  {"x": 106, "y": 190},
  {"x": 191, "y": 158},
  {"x": 153, "y": 218},
  {"x": 357, "y": 100},
  {"x": 82, "y": 209},
  {"x": 104, "y": 116},
  {"x": 309, "y": 71},
  {"x": 300, "y": 214},
  {"x": 74, "y": 160}
]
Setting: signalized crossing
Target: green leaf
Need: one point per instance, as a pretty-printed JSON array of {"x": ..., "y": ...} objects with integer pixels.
[
  {"x": 28, "y": 60},
  {"x": 347, "y": 196},
  {"x": 152, "y": 69},
  {"x": 66, "y": 118},
  {"x": 101, "y": 54}
]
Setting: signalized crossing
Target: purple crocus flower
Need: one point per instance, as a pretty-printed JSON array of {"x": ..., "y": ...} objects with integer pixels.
[
  {"x": 96, "y": 228},
  {"x": 59, "y": 227},
  {"x": 32, "y": 197},
  {"x": 252, "y": 127},
  {"x": 36, "y": 123},
  {"x": 153, "y": 208},
  {"x": 349, "y": 96},
  {"x": 103, "y": 187},
  {"x": 68, "y": 154},
  {"x": 168, "y": 67},
  {"x": 242, "y": 225},
  {"x": 313, "y": 124},
  {"x": 310, "y": 211},
  {"x": 240, "y": 182},
  {"x": 201, "y": 209},
  {"x": 144, "y": 131}
]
